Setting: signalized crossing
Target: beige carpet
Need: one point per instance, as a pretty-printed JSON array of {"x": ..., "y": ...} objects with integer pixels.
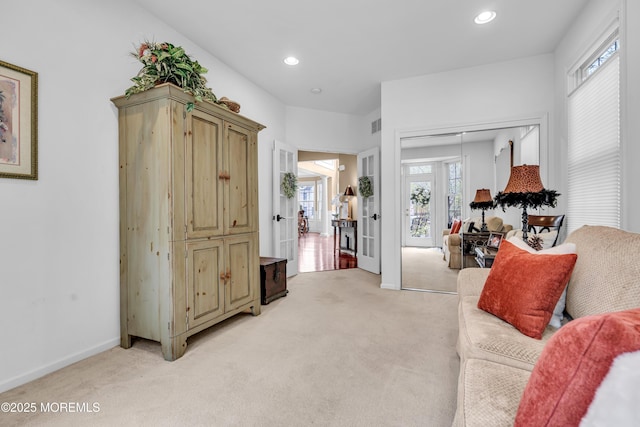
[
  {"x": 337, "y": 351},
  {"x": 424, "y": 268}
]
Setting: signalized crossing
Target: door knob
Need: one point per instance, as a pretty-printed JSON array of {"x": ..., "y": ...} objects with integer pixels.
[{"x": 374, "y": 217}]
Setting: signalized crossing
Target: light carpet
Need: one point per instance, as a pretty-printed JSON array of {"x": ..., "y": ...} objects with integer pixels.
[
  {"x": 337, "y": 351},
  {"x": 424, "y": 268}
]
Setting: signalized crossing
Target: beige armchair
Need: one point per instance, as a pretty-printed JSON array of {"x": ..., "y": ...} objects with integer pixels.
[{"x": 451, "y": 243}]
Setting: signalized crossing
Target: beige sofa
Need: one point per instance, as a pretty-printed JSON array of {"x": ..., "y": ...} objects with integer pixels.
[
  {"x": 496, "y": 360},
  {"x": 451, "y": 242}
]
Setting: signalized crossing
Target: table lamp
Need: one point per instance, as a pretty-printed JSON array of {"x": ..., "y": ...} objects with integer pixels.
[
  {"x": 525, "y": 190},
  {"x": 482, "y": 201}
]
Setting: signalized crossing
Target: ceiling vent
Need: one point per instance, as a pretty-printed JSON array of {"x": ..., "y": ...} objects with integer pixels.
[{"x": 376, "y": 126}]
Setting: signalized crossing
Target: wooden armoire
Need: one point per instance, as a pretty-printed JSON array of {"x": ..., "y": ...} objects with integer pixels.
[{"x": 189, "y": 249}]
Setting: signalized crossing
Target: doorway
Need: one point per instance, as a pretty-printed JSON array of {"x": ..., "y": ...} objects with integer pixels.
[
  {"x": 420, "y": 195},
  {"x": 343, "y": 224},
  {"x": 322, "y": 177},
  {"x": 429, "y": 196}
]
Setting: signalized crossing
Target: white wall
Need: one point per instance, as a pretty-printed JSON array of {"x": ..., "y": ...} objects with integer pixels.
[
  {"x": 324, "y": 131},
  {"x": 59, "y": 248},
  {"x": 587, "y": 28},
  {"x": 480, "y": 94},
  {"x": 371, "y": 139}
]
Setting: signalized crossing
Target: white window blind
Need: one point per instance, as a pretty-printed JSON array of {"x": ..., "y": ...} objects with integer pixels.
[{"x": 594, "y": 149}]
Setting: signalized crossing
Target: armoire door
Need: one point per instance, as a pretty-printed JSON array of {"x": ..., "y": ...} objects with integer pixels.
[
  {"x": 241, "y": 262},
  {"x": 241, "y": 195},
  {"x": 204, "y": 175},
  {"x": 206, "y": 277}
]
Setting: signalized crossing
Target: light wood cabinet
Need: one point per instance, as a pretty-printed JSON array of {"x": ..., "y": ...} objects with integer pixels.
[{"x": 188, "y": 217}]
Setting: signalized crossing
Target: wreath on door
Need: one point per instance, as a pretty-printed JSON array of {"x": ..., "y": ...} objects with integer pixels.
[
  {"x": 289, "y": 185},
  {"x": 420, "y": 196},
  {"x": 364, "y": 186}
]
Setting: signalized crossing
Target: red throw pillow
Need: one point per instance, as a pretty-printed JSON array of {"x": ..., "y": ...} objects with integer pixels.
[
  {"x": 523, "y": 288},
  {"x": 572, "y": 365},
  {"x": 455, "y": 226}
]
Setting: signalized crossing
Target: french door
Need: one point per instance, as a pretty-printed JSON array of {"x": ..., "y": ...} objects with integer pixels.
[
  {"x": 285, "y": 212},
  {"x": 369, "y": 213}
]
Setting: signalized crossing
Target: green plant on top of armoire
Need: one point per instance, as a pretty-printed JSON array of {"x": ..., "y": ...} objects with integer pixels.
[{"x": 166, "y": 63}]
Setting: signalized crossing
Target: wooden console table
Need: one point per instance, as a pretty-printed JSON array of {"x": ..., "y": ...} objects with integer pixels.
[{"x": 338, "y": 225}]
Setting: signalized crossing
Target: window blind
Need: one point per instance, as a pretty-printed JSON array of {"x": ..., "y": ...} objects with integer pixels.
[{"x": 594, "y": 170}]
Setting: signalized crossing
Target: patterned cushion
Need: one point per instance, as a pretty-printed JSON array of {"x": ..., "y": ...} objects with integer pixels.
[
  {"x": 489, "y": 394},
  {"x": 606, "y": 274},
  {"x": 471, "y": 281},
  {"x": 484, "y": 336},
  {"x": 494, "y": 223}
]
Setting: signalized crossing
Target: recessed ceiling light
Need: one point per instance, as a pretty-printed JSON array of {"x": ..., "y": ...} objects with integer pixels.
[
  {"x": 316, "y": 90},
  {"x": 484, "y": 17},
  {"x": 291, "y": 60}
]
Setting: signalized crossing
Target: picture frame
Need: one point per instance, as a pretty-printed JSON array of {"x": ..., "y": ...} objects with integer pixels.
[
  {"x": 494, "y": 240},
  {"x": 344, "y": 210},
  {"x": 18, "y": 122}
]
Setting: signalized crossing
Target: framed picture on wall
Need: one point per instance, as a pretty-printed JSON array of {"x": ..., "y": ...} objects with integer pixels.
[{"x": 18, "y": 122}]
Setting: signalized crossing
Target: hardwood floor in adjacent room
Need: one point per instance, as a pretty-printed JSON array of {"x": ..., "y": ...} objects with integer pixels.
[{"x": 316, "y": 253}]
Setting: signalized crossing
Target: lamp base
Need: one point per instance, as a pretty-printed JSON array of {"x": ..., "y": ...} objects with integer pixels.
[
  {"x": 525, "y": 224},
  {"x": 484, "y": 224}
]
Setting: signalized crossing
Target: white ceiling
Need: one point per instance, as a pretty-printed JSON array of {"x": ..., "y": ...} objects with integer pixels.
[{"x": 348, "y": 47}]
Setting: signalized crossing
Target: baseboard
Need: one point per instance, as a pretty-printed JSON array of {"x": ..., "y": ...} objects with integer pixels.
[
  {"x": 391, "y": 286},
  {"x": 59, "y": 364}
]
